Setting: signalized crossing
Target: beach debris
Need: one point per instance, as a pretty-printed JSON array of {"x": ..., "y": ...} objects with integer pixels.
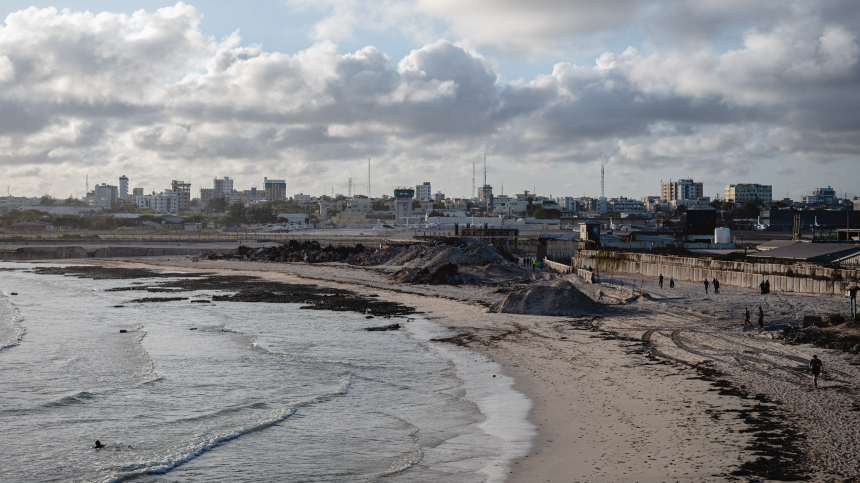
[
  {"x": 560, "y": 298},
  {"x": 383, "y": 328}
]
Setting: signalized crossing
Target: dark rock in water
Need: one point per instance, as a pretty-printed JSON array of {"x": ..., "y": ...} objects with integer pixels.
[
  {"x": 369, "y": 317},
  {"x": 193, "y": 328},
  {"x": 201, "y": 301},
  {"x": 157, "y": 299},
  {"x": 383, "y": 328},
  {"x": 122, "y": 331},
  {"x": 558, "y": 299},
  {"x": 14, "y": 293},
  {"x": 118, "y": 306}
]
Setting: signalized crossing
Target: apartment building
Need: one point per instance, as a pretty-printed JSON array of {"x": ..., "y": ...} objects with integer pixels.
[
  {"x": 743, "y": 192},
  {"x": 682, "y": 189}
]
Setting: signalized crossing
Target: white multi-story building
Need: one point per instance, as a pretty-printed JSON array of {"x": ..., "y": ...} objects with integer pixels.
[
  {"x": 682, "y": 189},
  {"x": 166, "y": 202},
  {"x": 223, "y": 187},
  {"x": 123, "y": 188},
  {"x": 743, "y": 192},
  {"x": 423, "y": 191},
  {"x": 569, "y": 203},
  {"x": 301, "y": 197},
  {"x": 13, "y": 202},
  {"x": 360, "y": 204},
  {"x": 439, "y": 196},
  {"x": 105, "y": 196},
  {"x": 822, "y": 195},
  {"x": 626, "y": 205},
  {"x": 183, "y": 191}
]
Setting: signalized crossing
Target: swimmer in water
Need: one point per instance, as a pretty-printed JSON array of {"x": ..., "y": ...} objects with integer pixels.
[{"x": 98, "y": 445}]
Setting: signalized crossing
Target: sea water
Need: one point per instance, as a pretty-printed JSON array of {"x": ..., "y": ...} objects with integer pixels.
[{"x": 233, "y": 391}]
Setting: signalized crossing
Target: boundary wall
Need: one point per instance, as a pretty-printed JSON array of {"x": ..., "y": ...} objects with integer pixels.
[{"x": 798, "y": 278}]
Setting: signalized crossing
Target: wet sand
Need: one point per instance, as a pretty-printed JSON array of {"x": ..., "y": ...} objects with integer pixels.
[{"x": 661, "y": 386}]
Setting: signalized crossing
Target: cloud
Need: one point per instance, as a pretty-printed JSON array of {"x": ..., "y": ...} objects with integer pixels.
[{"x": 148, "y": 94}]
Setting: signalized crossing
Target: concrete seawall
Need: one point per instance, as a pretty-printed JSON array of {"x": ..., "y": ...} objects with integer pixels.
[
  {"x": 72, "y": 252},
  {"x": 798, "y": 278}
]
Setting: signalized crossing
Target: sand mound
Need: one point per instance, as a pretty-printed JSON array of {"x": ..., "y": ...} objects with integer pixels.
[{"x": 559, "y": 298}]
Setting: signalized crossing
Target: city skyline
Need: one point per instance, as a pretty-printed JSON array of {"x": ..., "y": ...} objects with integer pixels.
[{"x": 721, "y": 93}]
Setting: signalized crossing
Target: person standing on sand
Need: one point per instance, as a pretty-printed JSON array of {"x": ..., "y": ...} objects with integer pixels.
[
  {"x": 661, "y": 281},
  {"x": 815, "y": 365},
  {"x": 761, "y": 286},
  {"x": 706, "y": 286},
  {"x": 747, "y": 317},
  {"x": 716, "y": 286},
  {"x": 671, "y": 281},
  {"x": 767, "y": 286},
  {"x": 760, "y": 317}
]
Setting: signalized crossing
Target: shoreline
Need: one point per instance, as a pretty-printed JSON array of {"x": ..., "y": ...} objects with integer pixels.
[
  {"x": 518, "y": 344},
  {"x": 604, "y": 408}
]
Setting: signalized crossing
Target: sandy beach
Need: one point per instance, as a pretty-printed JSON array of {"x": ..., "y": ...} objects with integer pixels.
[{"x": 662, "y": 385}]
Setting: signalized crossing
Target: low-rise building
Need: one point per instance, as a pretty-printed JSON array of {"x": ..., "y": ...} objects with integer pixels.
[
  {"x": 360, "y": 204},
  {"x": 626, "y": 205},
  {"x": 743, "y": 192}
]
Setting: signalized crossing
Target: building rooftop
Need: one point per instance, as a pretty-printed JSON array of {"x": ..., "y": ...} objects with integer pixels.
[{"x": 811, "y": 252}]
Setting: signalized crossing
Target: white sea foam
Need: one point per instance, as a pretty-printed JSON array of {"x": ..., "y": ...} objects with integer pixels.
[
  {"x": 206, "y": 443},
  {"x": 11, "y": 330},
  {"x": 505, "y": 409}
]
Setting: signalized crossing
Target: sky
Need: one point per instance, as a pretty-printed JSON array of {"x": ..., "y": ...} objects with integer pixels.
[{"x": 727, "y": 91}]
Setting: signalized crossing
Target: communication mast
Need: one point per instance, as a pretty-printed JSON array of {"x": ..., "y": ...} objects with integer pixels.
[
  {"x": 473, "y": 179},
  {"x": 602, "y": 193},
  {"x": 368, "y": 178},
  {"x": 485, "y": 168},
  {"x": 349, "y": 188}
]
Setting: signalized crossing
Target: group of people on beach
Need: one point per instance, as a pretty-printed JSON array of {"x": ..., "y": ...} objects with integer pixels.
[
  {"x": 765, "y": 287},
  {"x": 747, "y": 322},
  {"x": 716, "y": 284},
  {"x": 671, "y": 281},
  {"x": 533, "y": 262}
]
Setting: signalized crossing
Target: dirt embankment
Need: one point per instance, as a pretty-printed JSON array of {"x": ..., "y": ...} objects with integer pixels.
[{"x": 560, "y": 298}]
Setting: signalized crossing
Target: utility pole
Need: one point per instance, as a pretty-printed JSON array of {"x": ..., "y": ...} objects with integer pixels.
[{"x": 368, "y": 178}]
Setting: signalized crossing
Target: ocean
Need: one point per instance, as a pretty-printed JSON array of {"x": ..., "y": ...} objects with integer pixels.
[{"x": 230, "y": 391}]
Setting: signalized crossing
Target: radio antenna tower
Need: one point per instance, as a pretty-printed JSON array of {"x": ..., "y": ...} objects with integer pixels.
[
  {"x": 88, "y": 184},
  {"x": 473, "y": 179},
  {"x": 485, "y": 168},
  {"x": 349, "y": 187},
  {"x": 368, "y": 178},
  {"x": 602, "y": 193}
]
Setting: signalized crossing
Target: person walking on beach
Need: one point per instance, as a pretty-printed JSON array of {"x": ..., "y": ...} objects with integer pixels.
[
  {"x": 761, "y": 286},
  {"x": 671, "y": 281},
  {"x": 661, "y": 281},
  {"x": 767, "y": 287},
  {"x": 760, "y": 317},
  {"x": 706, "y": 286},
  {"x": 815, "y": 365},
  {"x": 716, "y": 286},
  {"x": 747, "y": 317}
]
